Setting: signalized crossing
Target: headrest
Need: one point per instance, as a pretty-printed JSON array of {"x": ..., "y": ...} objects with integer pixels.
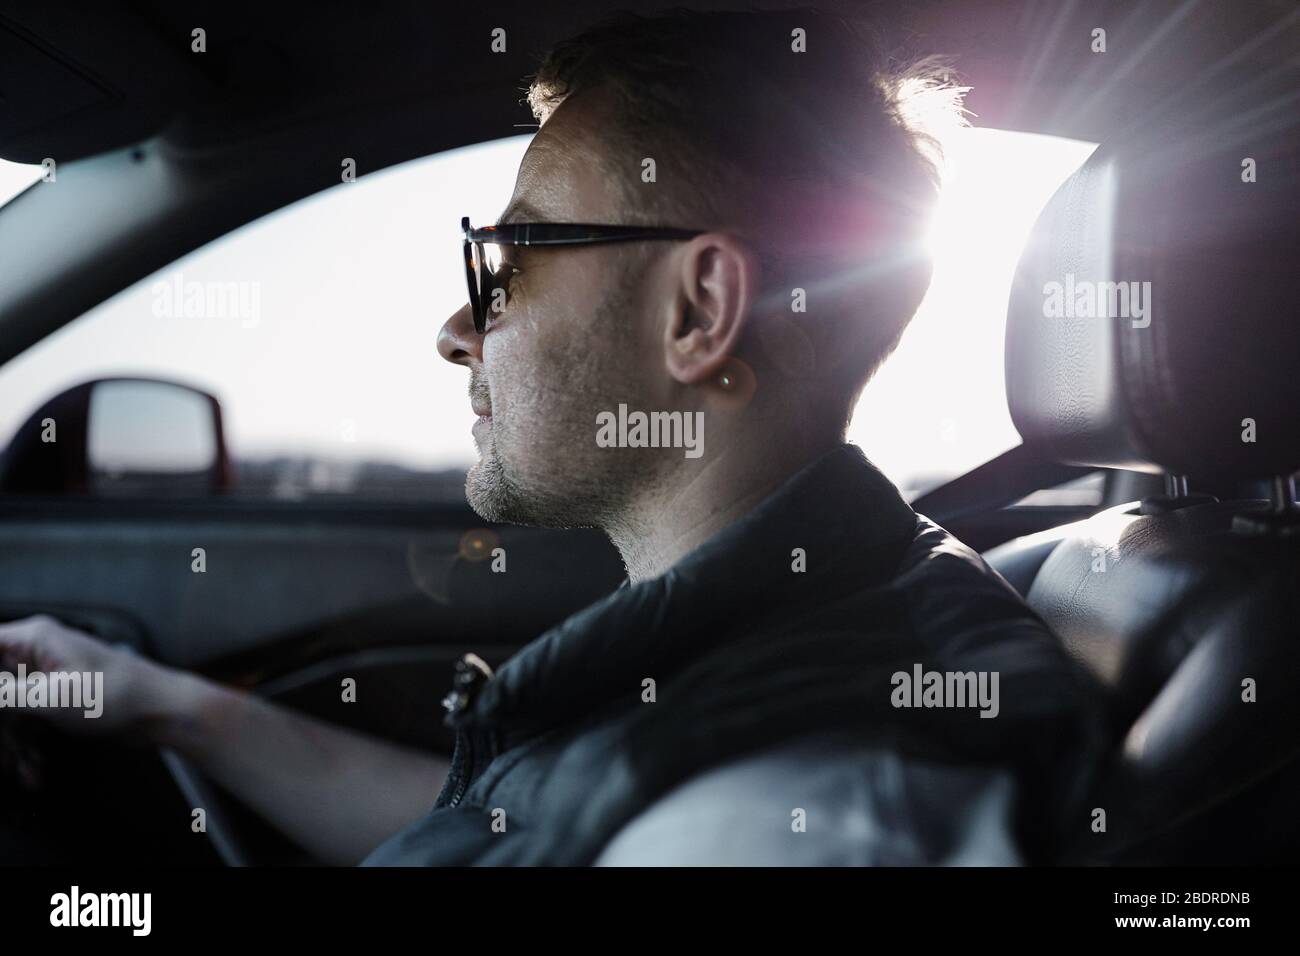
[{"x": 1153, "y": 322}]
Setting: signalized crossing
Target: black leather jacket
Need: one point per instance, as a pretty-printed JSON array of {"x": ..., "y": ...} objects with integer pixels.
[{"x": 789, "y": 628}]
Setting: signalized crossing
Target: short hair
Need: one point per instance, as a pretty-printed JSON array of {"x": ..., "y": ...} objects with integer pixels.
[{"x": 832, "y": 147}]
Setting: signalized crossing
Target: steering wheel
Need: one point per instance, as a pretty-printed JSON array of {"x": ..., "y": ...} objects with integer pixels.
[
  {"x": 24, "y": 744},
  {"x": 37, "y": 763}
]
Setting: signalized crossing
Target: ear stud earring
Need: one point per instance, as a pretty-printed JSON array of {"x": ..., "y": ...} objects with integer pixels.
[{"x": 735, "y": 384}]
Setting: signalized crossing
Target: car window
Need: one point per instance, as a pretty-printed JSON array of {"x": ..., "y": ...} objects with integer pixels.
[
  {"x": 315, "y": 327},
  {"x": 15, "y": 177}
]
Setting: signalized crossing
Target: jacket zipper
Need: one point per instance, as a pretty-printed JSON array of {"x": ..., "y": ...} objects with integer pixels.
[
  {"x": 466, "y": 767},
  {"x": 471, "y": 674}
]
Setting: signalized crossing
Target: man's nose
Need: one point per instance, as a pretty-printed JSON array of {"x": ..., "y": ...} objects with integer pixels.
[{"x": 457, "y": 340}]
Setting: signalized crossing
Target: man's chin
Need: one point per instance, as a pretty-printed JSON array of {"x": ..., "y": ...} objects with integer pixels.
[
  {"x": 490, "y": 491},
  {"x": 496, "y": 495},
  {"x": 482, "y": 488}
]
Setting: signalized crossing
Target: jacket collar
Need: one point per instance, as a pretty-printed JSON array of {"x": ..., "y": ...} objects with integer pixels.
[{"x": 851, "y": 524}]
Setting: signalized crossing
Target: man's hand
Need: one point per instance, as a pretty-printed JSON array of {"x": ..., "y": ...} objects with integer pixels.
[
  {"x": 134, "y": 688},
  {"x": 335, "y": 791}
]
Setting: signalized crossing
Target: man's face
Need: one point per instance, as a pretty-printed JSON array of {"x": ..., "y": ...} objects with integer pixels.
[{"x": 575, "y": 338}]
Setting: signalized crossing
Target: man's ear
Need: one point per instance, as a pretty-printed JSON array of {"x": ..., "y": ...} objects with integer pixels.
[{"x": 717, "y": 278}]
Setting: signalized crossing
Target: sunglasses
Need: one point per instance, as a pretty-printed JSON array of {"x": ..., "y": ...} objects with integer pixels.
[{"x": 486, "y": 268}]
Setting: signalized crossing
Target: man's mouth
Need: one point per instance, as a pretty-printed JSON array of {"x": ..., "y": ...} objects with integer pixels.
[{"x": 479, "y": 401}]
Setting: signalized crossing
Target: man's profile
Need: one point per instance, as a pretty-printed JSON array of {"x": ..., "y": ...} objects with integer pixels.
[{"x": 715, "y": 238}]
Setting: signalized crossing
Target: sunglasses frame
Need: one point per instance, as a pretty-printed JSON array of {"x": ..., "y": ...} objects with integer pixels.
[{"x": 482, "y": 283}]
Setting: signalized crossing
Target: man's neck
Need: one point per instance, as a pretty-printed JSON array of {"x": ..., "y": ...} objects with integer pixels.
[{"x": 675, "y": 519}]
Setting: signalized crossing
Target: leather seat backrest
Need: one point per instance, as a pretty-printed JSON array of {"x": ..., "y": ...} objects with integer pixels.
[{"x": 1185, "y": 611}]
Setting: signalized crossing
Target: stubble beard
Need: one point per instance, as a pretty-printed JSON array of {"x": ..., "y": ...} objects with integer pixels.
[{"x": 572, "y": 483}]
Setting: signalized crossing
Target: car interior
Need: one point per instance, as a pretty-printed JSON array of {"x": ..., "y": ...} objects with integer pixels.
[{"x": 1177, "y": 588}]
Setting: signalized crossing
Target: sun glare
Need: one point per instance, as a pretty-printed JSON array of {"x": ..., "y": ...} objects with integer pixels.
[{"x": 937, "y": 407}]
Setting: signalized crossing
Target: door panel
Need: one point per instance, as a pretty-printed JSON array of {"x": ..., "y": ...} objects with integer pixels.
[{"x": 293, "y": 599}]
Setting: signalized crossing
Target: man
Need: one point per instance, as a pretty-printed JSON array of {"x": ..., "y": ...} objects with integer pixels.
[{"x": 798, "y": 669}]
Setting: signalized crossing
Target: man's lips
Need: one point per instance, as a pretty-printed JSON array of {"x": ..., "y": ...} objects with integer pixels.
[{"x": 480, "y": 400}]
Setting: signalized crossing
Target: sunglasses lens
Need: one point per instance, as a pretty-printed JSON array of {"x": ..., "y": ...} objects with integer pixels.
[
  {"x": 492, "y": 258},
  {"x": 483, "y": 263},
  {"x": 489, "y": 265},
  {"x": 473, "y": 271}
]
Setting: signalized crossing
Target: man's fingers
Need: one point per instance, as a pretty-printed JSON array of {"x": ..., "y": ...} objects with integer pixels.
[
  {"x": 16, "y": 633},
  {"x": 14, "y": 649},
  {"x": 31, "y": 622},
  {"x": 23, "y": 629},
  {"x": 19, "y": 639}
]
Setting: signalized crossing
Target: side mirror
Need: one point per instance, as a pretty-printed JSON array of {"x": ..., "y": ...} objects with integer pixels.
[{"x": 120, "y": 437}]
